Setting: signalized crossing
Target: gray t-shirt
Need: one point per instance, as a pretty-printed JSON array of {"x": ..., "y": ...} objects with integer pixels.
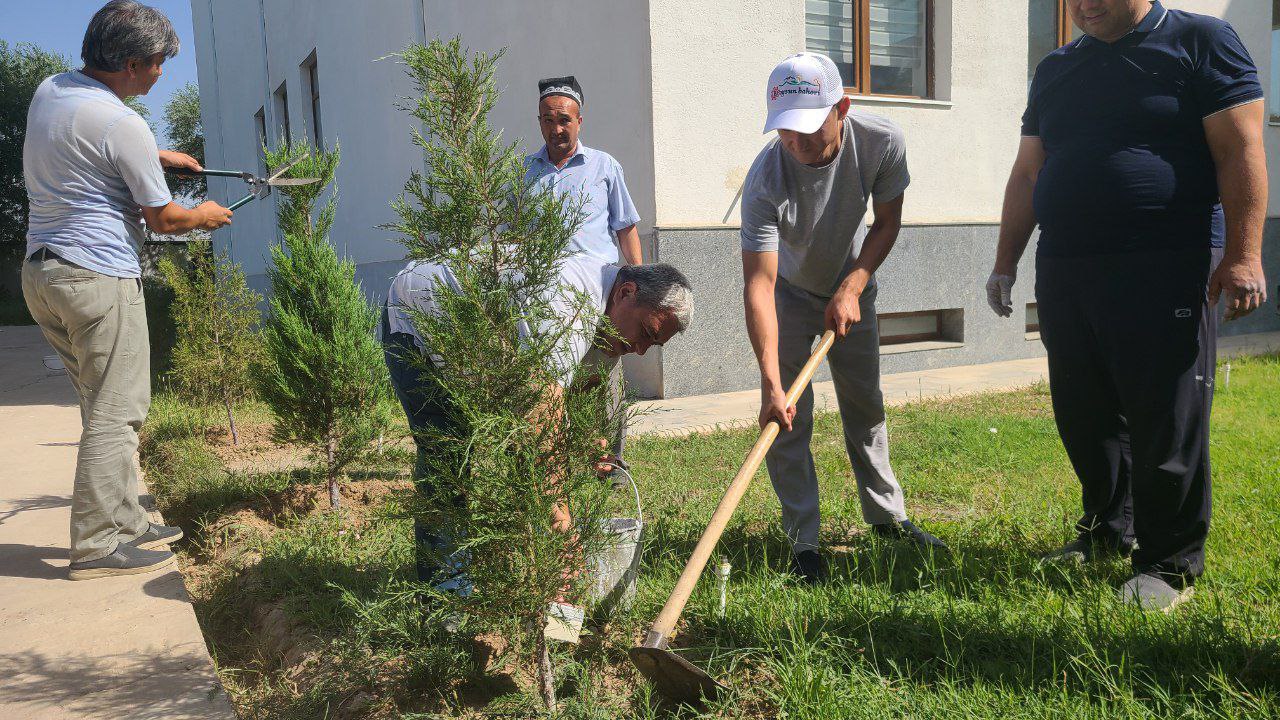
[
  {"x": 815, "y": 218},
  {"x": 414, "y": 288},
  {"x": 89, "y": 163}
]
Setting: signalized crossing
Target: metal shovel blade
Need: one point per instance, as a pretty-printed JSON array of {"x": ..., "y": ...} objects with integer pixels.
[{"x": 674, "y": 677}]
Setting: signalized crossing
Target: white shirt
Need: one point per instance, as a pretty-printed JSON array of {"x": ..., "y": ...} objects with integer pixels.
[
  {"x": 587, "y": 276},
  {"x": 89, "y": 163}
]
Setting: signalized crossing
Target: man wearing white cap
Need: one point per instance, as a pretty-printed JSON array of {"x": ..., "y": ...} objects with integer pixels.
[{"x": 809, "y": 262}]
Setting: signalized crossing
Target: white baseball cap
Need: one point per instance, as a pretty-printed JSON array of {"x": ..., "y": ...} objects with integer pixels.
[{"x": 801, "y": 91}]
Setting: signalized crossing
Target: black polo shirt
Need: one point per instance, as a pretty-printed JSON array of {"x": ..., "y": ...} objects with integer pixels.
[{"x": 1127, "y": 164}]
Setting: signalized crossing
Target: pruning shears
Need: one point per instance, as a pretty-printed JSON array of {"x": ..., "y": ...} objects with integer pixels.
[{"x": 259, "y": 187}]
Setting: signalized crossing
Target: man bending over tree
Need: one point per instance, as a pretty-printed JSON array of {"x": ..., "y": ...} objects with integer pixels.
[{"x": 646, "y": 305}]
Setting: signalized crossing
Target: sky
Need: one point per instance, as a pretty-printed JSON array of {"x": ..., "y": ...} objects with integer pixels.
[{"x": 59, "y": 25}]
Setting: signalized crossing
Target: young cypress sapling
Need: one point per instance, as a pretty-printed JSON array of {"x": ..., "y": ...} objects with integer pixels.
[
  {"x": 215, "y": 317},
  {"x": 323, "y": 374},
  {"x": 520, "y": 447}
]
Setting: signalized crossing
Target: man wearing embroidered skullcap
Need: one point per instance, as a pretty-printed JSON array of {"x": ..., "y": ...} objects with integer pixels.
[{"x": 595, "y": 179}]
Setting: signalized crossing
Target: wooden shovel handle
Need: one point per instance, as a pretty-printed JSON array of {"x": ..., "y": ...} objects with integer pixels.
[{"x": 666, "y": 621}]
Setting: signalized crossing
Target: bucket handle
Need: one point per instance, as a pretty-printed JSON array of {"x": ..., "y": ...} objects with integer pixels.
[{"x": 635, "y": 489}]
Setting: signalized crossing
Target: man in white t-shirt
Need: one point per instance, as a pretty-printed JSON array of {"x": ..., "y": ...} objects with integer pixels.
[
  {"x": 809, "y": 263},
  {"x": 645, "y": 304},
  {"x": 93, "y": 175}
]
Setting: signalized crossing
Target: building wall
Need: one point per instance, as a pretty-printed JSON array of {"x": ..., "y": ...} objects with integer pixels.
[
  {"x": 960, "y": 149},
  {"x": 675, "y": 92},
  {"x": 932, "y": 267},
  {"x": 960, "y": 145},
  {"x": 606, "y": 46},
  {"x": 263, "y": 43}
]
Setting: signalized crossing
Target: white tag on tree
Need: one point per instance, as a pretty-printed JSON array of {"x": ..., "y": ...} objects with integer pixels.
[{"x": 564, "y": 622}]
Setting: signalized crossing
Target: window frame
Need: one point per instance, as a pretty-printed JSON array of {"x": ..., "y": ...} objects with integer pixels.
[
  {"x": 862, "y": 57},
  {"x": 900, "y": 338},
  {"x": 311, "y": 81},
  {"x": 1064, "y": 23},
  {"x": 1273, "y": 100},
  {"x": 280, "y": 99}
]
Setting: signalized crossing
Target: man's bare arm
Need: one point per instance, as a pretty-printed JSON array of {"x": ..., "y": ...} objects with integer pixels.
[
  {"x": 173, "y": 219},
  {"x": 548, "y": 417},
  {"x": 1018, "y": 219},
  {"x": 760, "y": 275},
  {"x": 1239, "y": 158},
  {"x": 629, "y": 244}
]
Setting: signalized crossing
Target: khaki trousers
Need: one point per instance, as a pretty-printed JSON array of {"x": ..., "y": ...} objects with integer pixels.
[{"x": 98, "y": 326}]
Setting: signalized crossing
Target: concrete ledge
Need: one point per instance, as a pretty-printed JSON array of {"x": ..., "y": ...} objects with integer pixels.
[{"x": 120, "y": 647}]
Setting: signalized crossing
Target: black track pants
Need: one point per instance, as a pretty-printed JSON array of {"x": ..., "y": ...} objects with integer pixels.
[{"x": 1131, "y": 340}]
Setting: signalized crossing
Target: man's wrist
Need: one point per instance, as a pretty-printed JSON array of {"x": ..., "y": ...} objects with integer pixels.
[
  {"x": 1004, "y": 267},
  {"x": 1233, "y": 255},
  {"x": 770, "y": 384},
  {"x": 856, "y": 281}
]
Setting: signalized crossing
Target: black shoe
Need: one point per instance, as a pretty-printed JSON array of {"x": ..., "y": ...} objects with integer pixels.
[
  {"x": 907, "y": 530},
  {"x": 809, "y": 567},
  {"x": 620, "y": 476},
  {"x": 1085, "y": 548}
]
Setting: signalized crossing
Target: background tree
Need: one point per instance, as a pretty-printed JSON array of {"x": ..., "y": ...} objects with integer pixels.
[
  {"x": 22, "y": 67},
  {"x": 216, "y": 316},
  {"x": 519, "y": 447},
  {"x": 186, "y": 134},
  {"x": 323, "y": 372}
]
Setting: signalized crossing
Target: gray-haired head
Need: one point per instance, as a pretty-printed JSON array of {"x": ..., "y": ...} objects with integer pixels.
[
  {"x": 124, "y": 30},
  {"x": 661, "y": 287}
]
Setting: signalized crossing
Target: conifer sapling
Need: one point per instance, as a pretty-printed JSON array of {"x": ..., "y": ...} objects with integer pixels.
[
  {"x": 215, "y": 316},
  {"x": 323, "y": 373}
]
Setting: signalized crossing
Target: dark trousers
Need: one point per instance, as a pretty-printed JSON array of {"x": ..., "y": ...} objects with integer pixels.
[
  {"x": 1131, "y": 340},
  {"x": 426, "y": 411}
]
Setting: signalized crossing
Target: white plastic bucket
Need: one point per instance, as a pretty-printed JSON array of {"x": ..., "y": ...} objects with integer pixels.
[{"x": 614, "y": 568}]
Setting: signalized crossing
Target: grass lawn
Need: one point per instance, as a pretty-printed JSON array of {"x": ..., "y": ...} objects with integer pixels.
[{"x": 980, "y": 632}]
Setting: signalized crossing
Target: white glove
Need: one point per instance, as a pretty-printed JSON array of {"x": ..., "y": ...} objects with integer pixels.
[{"x": 1000, "y": 293}]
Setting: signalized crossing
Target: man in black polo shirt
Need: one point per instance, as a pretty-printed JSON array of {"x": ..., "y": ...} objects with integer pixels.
[{"x": 1142, "y": 161}]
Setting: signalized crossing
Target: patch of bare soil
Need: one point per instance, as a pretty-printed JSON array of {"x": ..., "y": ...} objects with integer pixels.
[{"x": 256, "y": 451}]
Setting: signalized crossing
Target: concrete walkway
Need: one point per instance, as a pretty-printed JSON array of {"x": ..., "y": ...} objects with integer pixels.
[
  {"x": 125, "y": 647},
  {"x": 707, "y": 413}
]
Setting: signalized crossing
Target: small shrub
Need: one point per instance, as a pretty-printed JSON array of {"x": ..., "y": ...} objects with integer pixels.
[{"x": 215, "y": 315}]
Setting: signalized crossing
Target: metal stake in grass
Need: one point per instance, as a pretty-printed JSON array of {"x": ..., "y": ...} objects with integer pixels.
[
  {"x": 674, "y": 676},
  {"x": 722, "y": 579}
]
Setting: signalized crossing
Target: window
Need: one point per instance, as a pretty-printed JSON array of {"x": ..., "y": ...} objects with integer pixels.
[
  {"x": 925, "y": 326},
  {"x": 282, "y": 112},
  {"x": 1048, "y": 28},
  {"x": 1275, "y": 61},
  {"x": 313, "y": 90},
  {"x": 882, "y": 47},
  {"x": 260, "y": 126}
]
